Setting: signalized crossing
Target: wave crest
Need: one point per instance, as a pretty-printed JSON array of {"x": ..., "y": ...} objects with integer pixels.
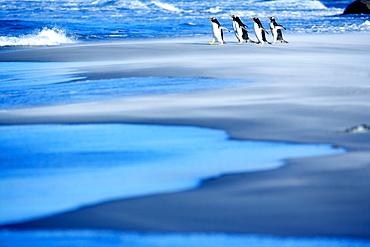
[
  {"x": 166, "y": 6},
  {"x": 44, "y": 37},
  {"x": 214, "y": 10}
]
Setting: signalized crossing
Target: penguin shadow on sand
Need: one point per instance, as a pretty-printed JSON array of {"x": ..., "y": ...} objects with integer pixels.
[{"x": 241, "y": 33}]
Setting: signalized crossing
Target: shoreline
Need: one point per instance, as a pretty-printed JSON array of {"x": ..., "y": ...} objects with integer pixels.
[
  {"x": 318, "y": 86},
  {"x": 244, "y": 200}
]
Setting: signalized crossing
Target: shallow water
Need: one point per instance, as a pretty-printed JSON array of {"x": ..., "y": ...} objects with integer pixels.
[
  {"x": 31, "y": 84},
  {"x": 129, "y": 239},
  {"x": 53, "y": 168}
]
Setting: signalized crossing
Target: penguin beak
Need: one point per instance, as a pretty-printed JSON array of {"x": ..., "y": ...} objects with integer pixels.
[
  {"x": 231, "y": 16},
  {"x": 251, "y": 18},
  {"x": 210, "y": 19},
  {"x": 269, "y": 18}
]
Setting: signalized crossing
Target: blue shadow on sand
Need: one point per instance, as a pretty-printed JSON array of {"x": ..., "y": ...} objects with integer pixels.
[{"x": 32, "y": 84}]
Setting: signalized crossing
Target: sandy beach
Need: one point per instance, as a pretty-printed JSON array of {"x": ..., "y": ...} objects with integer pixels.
[{"x": 312, "y": 90}]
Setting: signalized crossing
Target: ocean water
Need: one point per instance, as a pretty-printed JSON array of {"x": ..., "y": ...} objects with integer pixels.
[
  {"x": 44, "y": 164},
  {"x": 51, "y": 22}
]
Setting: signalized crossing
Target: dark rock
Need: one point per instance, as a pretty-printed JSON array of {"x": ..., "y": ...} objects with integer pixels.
[
  {"x": 358, "y": 7},
  {"x": 358, "y": 129}
]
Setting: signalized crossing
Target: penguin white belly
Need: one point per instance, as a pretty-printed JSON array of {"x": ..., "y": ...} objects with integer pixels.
[
  {"x": 238, "y": 31},
  {"x": 235, "y": 26},
  {"x": 217, "y": 33},
  {"x": 258, "y": 33},
  {"x": 275, "y": 34}
]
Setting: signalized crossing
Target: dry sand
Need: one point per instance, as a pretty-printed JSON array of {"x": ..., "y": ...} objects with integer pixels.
[{"x": 307, "y": 91}]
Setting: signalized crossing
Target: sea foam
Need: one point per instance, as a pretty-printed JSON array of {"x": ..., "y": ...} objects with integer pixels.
[
  {"x": 44, "y": 37},
  {"x": 166, "y": 6}
]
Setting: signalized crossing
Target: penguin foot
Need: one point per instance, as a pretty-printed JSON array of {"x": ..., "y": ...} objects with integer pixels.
[
  {"x": 282, "y": 41},
  {"x": 211, "y": 42}
]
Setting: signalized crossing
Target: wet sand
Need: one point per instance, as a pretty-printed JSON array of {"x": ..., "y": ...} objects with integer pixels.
[{"x": 308, "y": 91}]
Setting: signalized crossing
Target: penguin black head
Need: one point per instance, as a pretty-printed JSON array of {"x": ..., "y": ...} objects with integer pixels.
[
  {"x": 237, "y": 19},
  {"x": 214, "y": 20},
  {"x": 256, "y": 20},
  {"x": 272, "y": 20}
]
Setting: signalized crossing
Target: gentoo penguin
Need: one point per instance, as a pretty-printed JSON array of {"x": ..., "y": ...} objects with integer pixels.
[
  {"x": 240, "y": 29},
  {"x": 259, "y": 31},
  {"x": 217, "y": 32},
  {"x": 276, "y": 31}
]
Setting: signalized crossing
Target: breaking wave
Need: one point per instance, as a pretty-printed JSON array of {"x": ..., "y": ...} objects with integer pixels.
[
  {"x": 166, "y": 6},
  {"x": 123, "y": 19},
  {"x": 44, "y": 37}
]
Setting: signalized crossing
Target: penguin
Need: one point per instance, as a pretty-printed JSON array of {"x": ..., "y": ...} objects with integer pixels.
[
  {"x": 276, "y": 31},
  {"x": 259, "y": 31},
  {"x": 240, "y": 29},
  {"x": 217, "y": 32}
]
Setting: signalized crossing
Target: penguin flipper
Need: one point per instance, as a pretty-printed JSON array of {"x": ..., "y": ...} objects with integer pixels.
[
  {"x": 280, "y": 27},
  {"x": 224, "y": 28}
]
